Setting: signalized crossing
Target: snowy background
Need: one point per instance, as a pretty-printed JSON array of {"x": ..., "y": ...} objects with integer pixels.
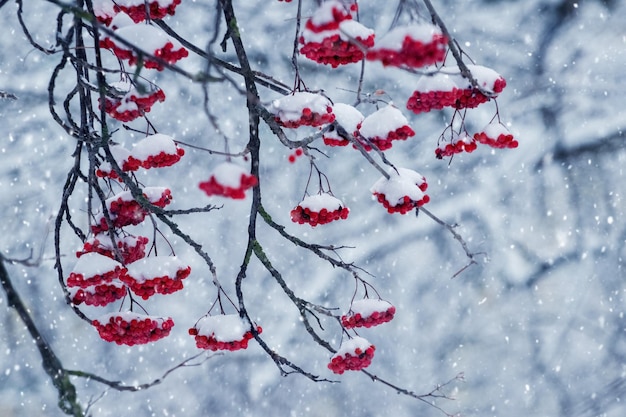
[{"x": 538, "y": 328}]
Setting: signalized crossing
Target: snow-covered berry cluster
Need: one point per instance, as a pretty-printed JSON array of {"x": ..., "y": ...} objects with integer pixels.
[
  {"x": 496, "y": 136},
  {"x": 384, "y": 126},
  {"x": 459, "y": 143},
  {"x": 302, "y": 108},
  {"x": 95, "y": 280},
  {"x": 98, "y": 295},
  {"x": 353, "y": 355},
  {"x": 414, "y": 46},
  {"x": 332, "y": 37},
  {"x": 368, "y": 312},
  {"x": 228, "y": 180},
  {"x": 131, "y": 248},
  {"x": 222, "y": 332},
  {"x": 132, "y": 103},
  {"x": 319, "y": 209},
  {"x": 130, "y": 328},
  {"x": 155, "y": 275},
  {"x": 402, "y": 191},
  {"x": 347, "y": 121},
  {"x": 142, "y": 10}
]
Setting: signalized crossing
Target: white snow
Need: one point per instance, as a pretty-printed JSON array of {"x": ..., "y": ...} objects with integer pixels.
[
  {"x": 400, "y": 184},
  {"x": 154, "y": 145},
  {"x": 128, "y": 316},
  {"x": 324, "y": 14},
  {"x": 92, "y": 264},
  {"x": 351, "y": 29},
  {"x": 155, "y": 266},
  {"x": 289, "y": 107},
  {"x": 223, "y": 327},
  {"x": 347, "y": 116},
  {"x": 495, "y": 129},
  {"x": 368, "y": 306},
  {"x": 383, "y": 121},
  {"x": 154, "y": 194},
  {"x": 351, "y": 345},
  {"x": 147, "y": 37},
  {"x": 229, "y": 174},
  {"x": 394, "y": 39},
  {"x": 318, "y": 202},
  {"x": 438, "y": 81},
  {"x": 120, "y": 154}
]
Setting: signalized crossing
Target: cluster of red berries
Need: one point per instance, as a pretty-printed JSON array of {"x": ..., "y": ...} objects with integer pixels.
[
  {"x": 228, "y": 180},
  {"x": 368, "y": 313},
  {"x": 98, "y": 295},
  {"x": 133, "y": 104},
  {"x": 319, "y": 209},
  {"x": 131, "y": 328},
  {"x": 496, "y": 136},
  {"x": 156, "y": 151},
  {"x": 93, "y": 269},
  {"x": 155, "y": 275},
  {"x": 140, "y": 10},
  {"x": 353, "y": 355},
  {"x": 402, "y": 191},
  {"x": 222, "y": 332},
  {"x": 131, "y": 248},
  {"x": 349, "y": 119},
  {"x": 414, "y": 46},
  {"x": 460, "y": 143},
  {"x": 302, "y": 108},
  {"x": 384, "y": 126}
]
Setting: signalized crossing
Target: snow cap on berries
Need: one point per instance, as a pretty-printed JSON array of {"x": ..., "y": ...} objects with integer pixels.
[
  {"x": 156, "y": 151},
  {"x": 319, "y": 209},
  {"x": 228, "y": 180},
  {"x": 156, "y": 275},
  {"x": 132, "y": 102},
  {"x": 130, "y": 328},
  {"x": 222, "y": 332},
  {"x": 131, "y": 248},
  {"x": 368, "y": 312},
  {"x": 402, "y": 192},
  {"x": 94, "y": 268},
  {"x": 353, "y": 355},
  {"x": 302, "y": 108},
  {"x": 384, "y": 126},
  {"x": 459, "y": 143},
  {"x": 140, "y": 10},
  {"x": 496, "y": 135},
  {"x": 98, "y": 295},
  {"x": 417, "y": 45},
  {"x": 328, "y": 16},
  {"x": 434, "y": 92},
  {"x": 349, "y": 118},
  {"x": 121, "y": 155}
]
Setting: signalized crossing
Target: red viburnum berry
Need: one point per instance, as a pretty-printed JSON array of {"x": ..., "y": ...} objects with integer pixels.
[
  {"x": 368, "y": 312},
  {"x": 415, "y": 46},
  {"x": 459, "y": 143},
  {"x": 104, "y": 11},
  {"x": 384, "y": 126},
  {"x": 98, "y": 295},
  {"x": 156, "y": 275},
  {"x": 130, "y": 248},
  {"x": 132, "y": 103},
  {"x": 353, "y": 355},
  {"x": 402, "y": 191},
  {"x": 156, "y": 151},
  {"x": 130, "y": 328},
  {"x": 228, "y": 180},
  {"x": 496, "y": 135},
  {"x": 125, "y": 211},
  {"x": 319, "y": 209},
  {"x": 328, "y": 16},
  {"x": 340, "y": 46},
  {"x": 121, "y": 155},
  {"x": 302, "y": 108},
  {"x": 151, "y": 40},
  {"x": 434, "y": 92},
  {"x": 347, "y": 121},
  {"x": 140, "y": 10},
  {"x": 94, "y": 269},
  {"x": 222, "y": 332}
]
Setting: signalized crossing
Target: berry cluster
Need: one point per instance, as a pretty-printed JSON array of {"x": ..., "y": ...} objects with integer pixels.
[
  {"x": 156, "y": 151},
  {"x": 353, "y": 355},
  {"x": 140, "y": 10},
  {"x": 131, "y": 248},
  {"x": 131, "y": 328},
  {"x": 496, "y": 136},
  {"x": 93, "y": 269},
  {"x": 384, "y": 126},
  {"x": 347, "y": 118},
  {"x": 98, "y": 295},
  {"x": 447, "y": 88},
  {"x": 368, "y": 313},
  {"x": 402, "y": 191},
  {"x": 459, "y": 143},
  {"x": 133, "y": 104},
  {"x": 413, "y": 46},
  {"x": 319, "y": 209},
  {"x": 222, "y": 332},
  {"x": 228, "y": 180},
  {"x": 302, "y": 108},
  {"x": 156, "y": 275},
  {"x": 155, "y": 41},
  {"x": 123, "y": 160}
]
